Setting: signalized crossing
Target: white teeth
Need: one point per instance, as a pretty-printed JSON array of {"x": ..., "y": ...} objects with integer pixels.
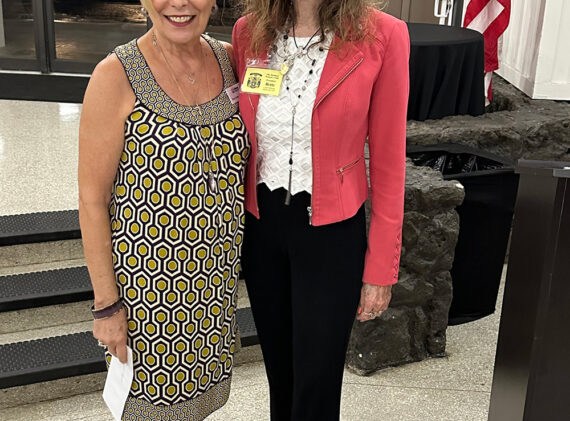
[{"x": 180, "y": 19}]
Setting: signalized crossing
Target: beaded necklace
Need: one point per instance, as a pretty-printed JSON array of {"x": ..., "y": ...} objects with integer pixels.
[{"x": 295, "y": 95}]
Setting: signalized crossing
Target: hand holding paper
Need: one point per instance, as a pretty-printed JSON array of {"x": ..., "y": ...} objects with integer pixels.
[{"x": 118, "y": 384}]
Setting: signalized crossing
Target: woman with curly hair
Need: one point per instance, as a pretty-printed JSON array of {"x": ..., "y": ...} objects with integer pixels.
[{"x": 319, "y": 78}]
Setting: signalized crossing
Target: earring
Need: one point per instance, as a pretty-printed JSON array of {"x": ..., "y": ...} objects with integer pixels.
[
  {"x": 144, "y": 11},
  {"x": 215, "y": 9}
]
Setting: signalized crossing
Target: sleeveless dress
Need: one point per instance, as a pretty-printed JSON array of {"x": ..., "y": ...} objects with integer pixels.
[{"x": 176, "y": 243}]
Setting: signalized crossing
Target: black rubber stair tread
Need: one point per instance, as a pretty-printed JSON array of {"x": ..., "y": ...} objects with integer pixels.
[
  {"x": 247, "y": 329},
  {"x": 49, "y": 359},
  {"x": 44, "y": 288},
  {"x": 77, "y": 354},
  {"x": 39, "y": 227}
]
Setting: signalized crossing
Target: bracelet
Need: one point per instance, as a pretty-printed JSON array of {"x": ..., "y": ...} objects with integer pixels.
[{"x": 109, "y": 311}]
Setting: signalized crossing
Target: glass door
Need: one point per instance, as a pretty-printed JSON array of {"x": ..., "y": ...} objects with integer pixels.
[
  {"x": 72, "y": 36},
  {"x": 18, "y": 35},
  {"x": 82, "y": 32},
  {"x": 222, "y": 20}
]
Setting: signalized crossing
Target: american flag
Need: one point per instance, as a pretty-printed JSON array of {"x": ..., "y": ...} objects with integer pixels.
[{"x": 491, "y": 18}]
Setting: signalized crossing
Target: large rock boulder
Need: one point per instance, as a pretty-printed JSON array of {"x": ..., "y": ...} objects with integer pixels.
[
  {"x": 515, "y": 127},
  {"x": 414, "y": 326}
]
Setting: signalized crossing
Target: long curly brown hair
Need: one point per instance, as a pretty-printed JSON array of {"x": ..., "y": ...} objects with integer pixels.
[{"x": 345, "y": 18}]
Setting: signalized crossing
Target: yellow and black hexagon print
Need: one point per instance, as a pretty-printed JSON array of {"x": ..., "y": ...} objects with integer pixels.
[
  {"x": 214, "y": 398},
  {"x": 175, "y": 248},
  {"x": 149, "y": 93}
]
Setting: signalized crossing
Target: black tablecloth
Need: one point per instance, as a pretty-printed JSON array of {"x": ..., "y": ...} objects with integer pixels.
[{"x": 446, "y": 72}]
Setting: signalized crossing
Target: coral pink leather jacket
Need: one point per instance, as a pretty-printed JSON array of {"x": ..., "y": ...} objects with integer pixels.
[{"x": 363, "y": 92}]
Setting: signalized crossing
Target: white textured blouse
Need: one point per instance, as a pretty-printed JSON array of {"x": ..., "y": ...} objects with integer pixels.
[{"x": 274, "y": 117}]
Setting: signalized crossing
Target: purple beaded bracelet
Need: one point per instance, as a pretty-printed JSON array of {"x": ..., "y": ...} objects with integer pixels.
[{"x": 106, "y": 312}]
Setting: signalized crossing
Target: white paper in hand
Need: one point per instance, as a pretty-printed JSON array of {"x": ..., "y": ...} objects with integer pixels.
[{"x": 118, "y": 384}]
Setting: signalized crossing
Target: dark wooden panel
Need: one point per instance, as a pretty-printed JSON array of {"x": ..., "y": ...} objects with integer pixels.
[{"x": 531, "y": 380}]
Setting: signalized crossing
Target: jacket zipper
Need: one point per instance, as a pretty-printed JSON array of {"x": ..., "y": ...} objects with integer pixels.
[
  {"x": 340, "y": 81},
  {"x": 346, "y": 167},
  {"x": 310, "y": 207}
]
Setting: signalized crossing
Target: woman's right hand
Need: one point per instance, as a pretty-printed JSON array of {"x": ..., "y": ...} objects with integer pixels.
[{"x": 112, "y": 332}]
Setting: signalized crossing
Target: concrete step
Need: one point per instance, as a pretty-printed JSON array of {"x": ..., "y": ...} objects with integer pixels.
[
  {"x": 50, "y": 322},
  {"x": 60, "y": 389},
  {"x": 36, "y": 289},
  {"x": 89, "y": 406},
  {"x": 39, "y": 256},
  {"x": 19, "y": 322},
  {"x": 70, "y": 350},
  {"x": 24, "y": 324},
  {"x": 63, "y": 319},
  {"x": 60, "y": 399},
  {"x": 17, "y": 401}
]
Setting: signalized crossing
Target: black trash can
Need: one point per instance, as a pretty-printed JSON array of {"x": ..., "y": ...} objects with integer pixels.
[{"x": 485, "y": 223}]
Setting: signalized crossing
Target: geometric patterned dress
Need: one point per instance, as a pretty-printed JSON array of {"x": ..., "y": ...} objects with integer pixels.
[{"x": 176, "y": 243}]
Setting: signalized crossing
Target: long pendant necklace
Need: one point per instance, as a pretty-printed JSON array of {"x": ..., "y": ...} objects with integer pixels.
[
  {"x": 288, "y": 63},
  {"x": 212, "y": 182}
]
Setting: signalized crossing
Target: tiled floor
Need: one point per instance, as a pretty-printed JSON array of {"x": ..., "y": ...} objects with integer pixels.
[
  {"x": 38, "y": 156},
  {"x": 38, "y": 161},
  {"x": 456, "y": 388}
]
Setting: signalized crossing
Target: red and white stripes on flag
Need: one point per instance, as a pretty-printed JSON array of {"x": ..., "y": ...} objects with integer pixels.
[{"x": 491, "y": 18}]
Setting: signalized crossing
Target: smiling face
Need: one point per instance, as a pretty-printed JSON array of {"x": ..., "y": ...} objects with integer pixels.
[{"x": 180, "y": 21}]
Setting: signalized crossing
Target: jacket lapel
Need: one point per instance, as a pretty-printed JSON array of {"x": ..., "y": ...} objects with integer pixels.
[{"x": 338, "y": 65}]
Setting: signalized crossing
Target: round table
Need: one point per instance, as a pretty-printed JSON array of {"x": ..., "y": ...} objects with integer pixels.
[{"x": 446, "y": 72}]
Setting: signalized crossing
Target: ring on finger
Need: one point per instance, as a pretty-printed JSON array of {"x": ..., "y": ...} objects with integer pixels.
[{"x": 101, "y": 344}]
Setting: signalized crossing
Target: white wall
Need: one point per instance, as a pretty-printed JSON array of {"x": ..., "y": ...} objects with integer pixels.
[
  {"x": 553, "y": 66},
  {"x": 534, "y": 53},
  {"x": 2, "y": 37}
]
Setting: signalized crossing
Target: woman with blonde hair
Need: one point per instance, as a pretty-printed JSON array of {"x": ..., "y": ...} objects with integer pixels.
[
  {"x": 161, "y": 157},
  {"x": 318, "y": 78}
]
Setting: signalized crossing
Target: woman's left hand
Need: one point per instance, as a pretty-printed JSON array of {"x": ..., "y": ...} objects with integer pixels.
[{"x": 374, "y": 300}]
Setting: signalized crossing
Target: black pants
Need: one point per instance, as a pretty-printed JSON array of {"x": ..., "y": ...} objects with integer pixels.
[{"x": 304, "y": 286}]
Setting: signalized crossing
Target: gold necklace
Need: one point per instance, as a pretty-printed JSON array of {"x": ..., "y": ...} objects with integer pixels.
[
  {"x": 212, "y": 182},
  {"x": 173, "y": 76}
]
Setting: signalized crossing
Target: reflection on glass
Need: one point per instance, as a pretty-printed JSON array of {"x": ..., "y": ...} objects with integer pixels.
[
  {"x": 17, "y": 29},
  {"x": 222, "y": 21},
  {"x": 88, "y": 30}
]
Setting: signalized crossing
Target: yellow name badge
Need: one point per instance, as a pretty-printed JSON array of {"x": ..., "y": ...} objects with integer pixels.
[{"x": 262, "y": 81}]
